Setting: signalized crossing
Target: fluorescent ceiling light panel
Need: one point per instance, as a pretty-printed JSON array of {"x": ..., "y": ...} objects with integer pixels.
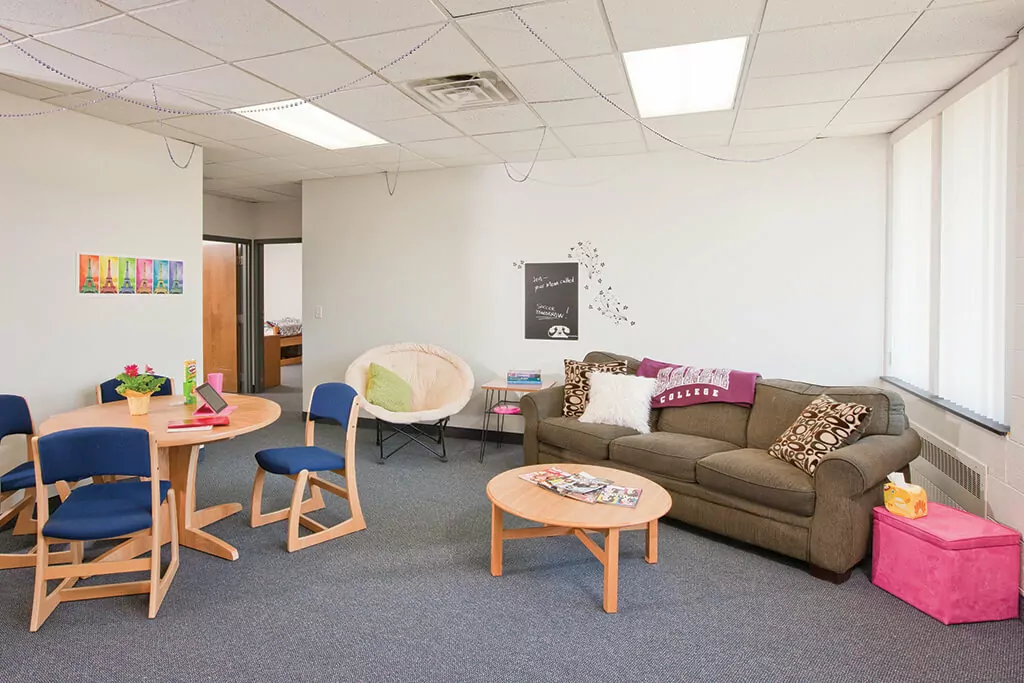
[
  {"x": 686, "y": 79},
  {"x": 310, "y": 123}
]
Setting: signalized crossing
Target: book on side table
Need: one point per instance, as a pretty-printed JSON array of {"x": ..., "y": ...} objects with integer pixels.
[{"x": 583, "y": 487}]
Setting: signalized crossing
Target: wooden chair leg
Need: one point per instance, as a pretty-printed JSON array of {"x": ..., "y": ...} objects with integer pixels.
[
  {"x": 322, "y": 533},
  {"x": 43, "y": 603},
  {"x": 295, "y": 510},
  {"x": 258, "y": 518},
  {"x": 26, "y": 524},
  {"x": 15, "y": 510}
]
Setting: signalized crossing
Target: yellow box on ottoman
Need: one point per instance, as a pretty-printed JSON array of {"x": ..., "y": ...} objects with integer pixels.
[{"x": 906, "y": 500}]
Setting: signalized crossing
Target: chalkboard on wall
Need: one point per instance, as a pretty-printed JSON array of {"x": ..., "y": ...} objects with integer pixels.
[{"x": 552, "y": 301}]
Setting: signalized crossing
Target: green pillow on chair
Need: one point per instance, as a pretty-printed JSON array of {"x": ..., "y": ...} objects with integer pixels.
[{"x": 389, "y": 391}]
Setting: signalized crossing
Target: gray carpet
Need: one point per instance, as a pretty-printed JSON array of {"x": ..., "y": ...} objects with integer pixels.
[{"x": 411, "y": 599}]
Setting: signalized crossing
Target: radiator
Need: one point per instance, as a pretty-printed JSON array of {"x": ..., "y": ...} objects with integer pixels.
[{"x": 949, "y": 476}]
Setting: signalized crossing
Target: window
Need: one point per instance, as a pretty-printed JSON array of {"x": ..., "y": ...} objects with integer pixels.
[{"x": 947, "y": 254}]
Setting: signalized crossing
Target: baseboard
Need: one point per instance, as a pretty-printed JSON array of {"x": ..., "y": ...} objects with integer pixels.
[{"x": 454, "y": 432}]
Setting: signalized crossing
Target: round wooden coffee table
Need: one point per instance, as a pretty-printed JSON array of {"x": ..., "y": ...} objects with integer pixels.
[{"x": 562, "y": 516}]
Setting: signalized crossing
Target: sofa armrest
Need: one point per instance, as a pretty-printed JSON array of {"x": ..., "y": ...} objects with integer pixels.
[
  {"x": 856, "y": 469},
  {"x": 535, "y": 407}
]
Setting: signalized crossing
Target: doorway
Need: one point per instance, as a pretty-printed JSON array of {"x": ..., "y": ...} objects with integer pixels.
[
  {"x": 226, "y": 337},
  {"x": 277, "y": 266}
]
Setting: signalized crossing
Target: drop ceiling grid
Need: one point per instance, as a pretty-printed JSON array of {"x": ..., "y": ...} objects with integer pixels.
[{"x": 271, "y": 65}]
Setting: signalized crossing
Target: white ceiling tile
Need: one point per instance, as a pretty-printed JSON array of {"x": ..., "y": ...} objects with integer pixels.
[
  {"x": 787, "y": 118},
  {"x": 961, "y": 30},
  {"x": 171, "y": 102},
  {"x": 231, "y": 29},
  {"x": 827, "y": 48},
  {"x": 221, "y": 152},
  {"x": 365, "y": 105},
  {"x": 446, "y": 54},
  {"x": 377, "y": 154},
  {"x": 524, "y": 158},
  {"x": 341, "y": 20},
  {"x": 226, "y": 127},
  {"x": 858, "y": 129},
  {"x": 129, "y": 5},
  {"x": 471, "y": 160},
  {"x": 20, "y": 105},
  {"x": 258, "y": 195},
  {"x": 585, "y": 110},
  {"x": 277, "y": 145},
  {"x": 413, "y": 129},
  {"x": 289, "y": 189},
  {"x": 219, "y": 184},
  {"x": 609, "y": 150},
  {"x": 110, "y": 109},
  {"x": 574, "y": 28},
  {"x": 553, "y": 81},
  {"x": 785, "y": 14},
  {"x": 32, "y": 17},
  {"x": 225, "y": 171},
  {"x": 292, "y": 176},
  {"x": 17, "y": 86},
  {"x": 14, "y": 63},
  {"x": 518, "y": 141},
  {"x": 657, "y": 144},
  {"x": 494, "y": 119},
  {"x": 409, "y": 163},
  {"x": 460, "y": 8},
  {"x": 871, "y": 109},
  {"x": 265, "y": 165},
  {"x": 311, "y": 71},
  {"x": 692, "y": 125},
  {"x": 765, "y": 137},
  {"x": 824, "y": 86},
  {"x": 600, "y": 133},
  {"x": 441, "y": 149},
  {"x": 897, "y": 78},
  {"x": 318, "y": 160},
  {"x": 224, "y": 86},
  {"x": 128, "y": 45},
  {"x": 660, "y": 23},
  {"x": 363, "y": 169},
  {"x": 172, "y": 133}
]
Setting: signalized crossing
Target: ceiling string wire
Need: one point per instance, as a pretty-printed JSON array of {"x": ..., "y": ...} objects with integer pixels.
[
  {"x": 398, "y": 171},
  {"x": 624, "y": 111},
  {"x": 167, "y": 143},
  {"x": 533, "y": 163}
]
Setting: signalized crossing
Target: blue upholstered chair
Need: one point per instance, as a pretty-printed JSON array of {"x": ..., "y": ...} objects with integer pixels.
[
  {"x": 15, "y": 418},
  {"x": 123, "y": 509},
  {"x": 107, "y": 392},
  {"x": 333, "y": 401}
]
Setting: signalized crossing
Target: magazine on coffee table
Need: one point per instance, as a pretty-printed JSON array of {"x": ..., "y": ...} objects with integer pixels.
[
  {"x": 619, "y": 495},
  {"x": 579, "y": 486}
]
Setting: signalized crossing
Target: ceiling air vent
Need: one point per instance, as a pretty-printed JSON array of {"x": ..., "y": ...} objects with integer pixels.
[{"x": 461, "y": 91}]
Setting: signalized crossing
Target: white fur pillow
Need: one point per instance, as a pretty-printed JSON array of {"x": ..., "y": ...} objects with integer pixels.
[{"x": 622, "y": 400}]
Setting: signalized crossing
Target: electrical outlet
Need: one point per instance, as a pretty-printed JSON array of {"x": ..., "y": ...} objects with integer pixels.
[{"x": 318, "y": 312}]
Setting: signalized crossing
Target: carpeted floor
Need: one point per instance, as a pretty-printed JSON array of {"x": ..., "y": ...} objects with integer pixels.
[{"x": 411, "y": 599}]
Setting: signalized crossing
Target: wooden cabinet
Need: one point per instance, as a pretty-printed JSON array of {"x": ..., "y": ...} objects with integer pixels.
[{"x": 271, "y": 361}]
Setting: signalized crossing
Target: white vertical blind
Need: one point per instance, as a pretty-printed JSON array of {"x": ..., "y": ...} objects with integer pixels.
[
  {"x": 972, "y": 267},
  {"x": 910, "y": 257}
]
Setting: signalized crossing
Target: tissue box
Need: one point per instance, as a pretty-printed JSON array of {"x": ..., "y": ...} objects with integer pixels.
[
  {"x": 951, "y": 565},
  {"x": 906, "y": 501}
]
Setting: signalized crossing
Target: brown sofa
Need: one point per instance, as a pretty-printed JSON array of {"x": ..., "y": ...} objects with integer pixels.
[{"x": 712, "y": 459}]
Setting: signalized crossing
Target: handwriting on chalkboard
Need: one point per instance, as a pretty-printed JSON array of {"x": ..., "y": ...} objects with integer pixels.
[
  {"x": 541, "y": 282},
  {"x": 552, "y": 300}
]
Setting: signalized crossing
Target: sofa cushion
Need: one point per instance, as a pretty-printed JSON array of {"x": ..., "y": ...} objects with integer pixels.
[
  {"x": 753, "y": 474},
  {"x": 673, "y": 455},
  {"x": 577, "y": 383},
  {"x": 721, "y": 421},
  {"x": 632, "y": 364},
  {"x": 821, "y": 428},
  {"x": 590, "y": 440},
  {"x": 778, "y": 402}
]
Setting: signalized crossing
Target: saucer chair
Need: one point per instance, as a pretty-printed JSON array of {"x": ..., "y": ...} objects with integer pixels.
[{"x": 442, "y": 385}]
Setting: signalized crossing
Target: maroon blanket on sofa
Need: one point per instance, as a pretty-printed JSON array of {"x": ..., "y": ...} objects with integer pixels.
[{"x": 685, "y": 385}]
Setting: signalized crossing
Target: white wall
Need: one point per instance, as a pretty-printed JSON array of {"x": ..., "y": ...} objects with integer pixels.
[
  {"x": 72, "y": 183},
  {"x": 774, "y": 267},
  {"x": 282, "y": 281},
  {"x": 278, "y": 219},
  {"x": 226, "y": 217}
]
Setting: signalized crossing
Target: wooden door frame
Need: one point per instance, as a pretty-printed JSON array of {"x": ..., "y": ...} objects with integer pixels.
[
  {"x": 243, "y": 287},
  {"x": 257, "y": 299}
]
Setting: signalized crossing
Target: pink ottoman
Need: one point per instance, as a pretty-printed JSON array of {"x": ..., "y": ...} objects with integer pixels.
[{"x": 954, "y": 566}]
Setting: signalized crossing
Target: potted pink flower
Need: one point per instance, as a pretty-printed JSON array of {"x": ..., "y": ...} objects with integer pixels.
[{"x": 137, "y": 387}]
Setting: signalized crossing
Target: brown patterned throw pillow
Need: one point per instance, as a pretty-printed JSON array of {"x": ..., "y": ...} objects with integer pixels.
[
  {"x": 577, "y": 383},
  {"x": 822, "y": 427}
]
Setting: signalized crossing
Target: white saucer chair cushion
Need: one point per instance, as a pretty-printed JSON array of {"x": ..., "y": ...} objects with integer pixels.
[{"x": 441, "y": 382}]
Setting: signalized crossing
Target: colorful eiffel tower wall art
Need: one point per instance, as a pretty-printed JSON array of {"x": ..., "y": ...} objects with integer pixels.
[
  {"x": 126, "y": 275},
  {"x": 108, "y": 275},
  {"x": 144, "y": 276},
  {"x": 160, "y": 276},
  {"x": 98, "y": 274},
  {"x": 88, "y": 273},
  {"x": 177, "y": 277}
]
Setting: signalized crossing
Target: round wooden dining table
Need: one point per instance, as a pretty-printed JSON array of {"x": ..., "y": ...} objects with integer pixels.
[{"x": 178, "y": 459}]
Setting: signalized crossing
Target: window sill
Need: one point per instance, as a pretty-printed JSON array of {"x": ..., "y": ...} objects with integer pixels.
[{"x": 950, "y": 407}]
